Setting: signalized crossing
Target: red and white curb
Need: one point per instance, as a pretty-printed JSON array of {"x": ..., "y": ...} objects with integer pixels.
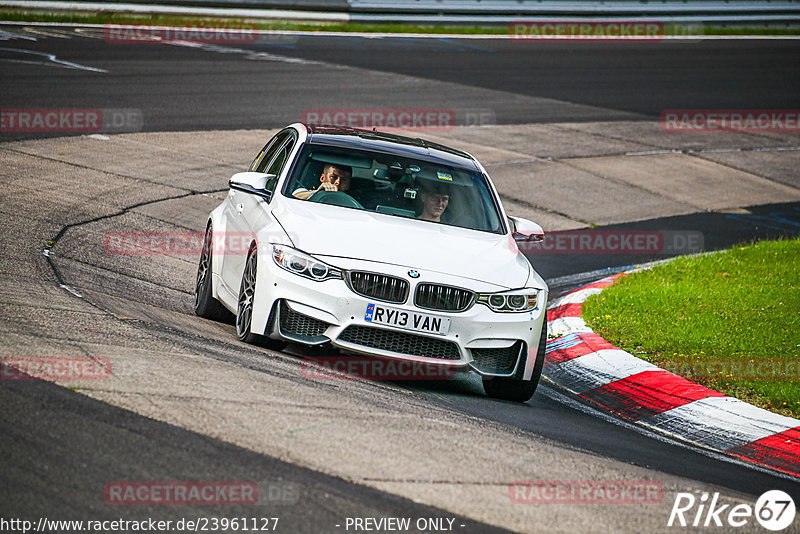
[{"x": 588, "y": 366}]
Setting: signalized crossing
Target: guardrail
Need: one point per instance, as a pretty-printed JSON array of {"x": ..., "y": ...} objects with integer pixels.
[
  {"x": 504, "y": 11},
  {"x": 457, "y": 11},
  {"x": 573, "y": 7}
]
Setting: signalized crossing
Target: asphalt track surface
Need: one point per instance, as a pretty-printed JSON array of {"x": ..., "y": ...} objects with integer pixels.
[
  {"x": 59, "y": 446},
  {"x": 179, "y": 88}
]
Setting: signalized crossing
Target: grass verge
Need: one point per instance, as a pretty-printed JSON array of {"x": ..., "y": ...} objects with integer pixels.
[
  {"x": 729, "y": 321},
  {"x": 82, "y": 17}
]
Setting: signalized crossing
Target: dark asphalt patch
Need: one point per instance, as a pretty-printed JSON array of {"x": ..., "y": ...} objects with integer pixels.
[
  {"x": 719, "y": 230},
  {"x": 61, "y": 448}
]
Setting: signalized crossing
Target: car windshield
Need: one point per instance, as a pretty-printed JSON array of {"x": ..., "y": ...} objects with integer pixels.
[{"x": 394, "y": 186}]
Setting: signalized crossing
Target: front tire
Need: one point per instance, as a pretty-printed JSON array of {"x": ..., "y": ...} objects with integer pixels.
[
  {"x": 514, "y": 388},
  {"x": 244, "y": 310},
  {"x": 205, "y": 305}
]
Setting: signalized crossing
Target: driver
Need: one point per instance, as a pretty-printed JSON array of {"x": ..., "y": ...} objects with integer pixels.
[
  {"x": 435, "y": 198},
  {"x": 333, "y": 178}
]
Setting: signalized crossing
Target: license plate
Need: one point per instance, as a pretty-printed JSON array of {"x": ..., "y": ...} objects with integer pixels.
[{"x": 407, "y": 320}]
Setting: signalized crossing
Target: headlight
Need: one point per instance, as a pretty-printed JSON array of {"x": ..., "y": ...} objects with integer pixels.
[
  {"x": 521, "y": 300},
  {"x": 302, "y": 264}
]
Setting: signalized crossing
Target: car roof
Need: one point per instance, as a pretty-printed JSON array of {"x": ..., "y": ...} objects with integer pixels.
[{"x": 399, "y": 145}]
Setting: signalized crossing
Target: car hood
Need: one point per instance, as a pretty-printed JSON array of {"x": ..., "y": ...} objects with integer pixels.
[{"x": 334, "y": 231}]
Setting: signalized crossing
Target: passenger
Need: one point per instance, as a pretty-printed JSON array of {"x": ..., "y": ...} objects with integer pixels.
[
  {"x": 333, "y": 178},
  {"x": 435, "y": 198}
]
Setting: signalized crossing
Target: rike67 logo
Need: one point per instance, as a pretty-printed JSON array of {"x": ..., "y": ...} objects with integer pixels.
[{"x": 774, "y": 510}]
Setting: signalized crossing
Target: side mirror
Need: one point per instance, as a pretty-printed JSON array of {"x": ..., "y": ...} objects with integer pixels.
[
  {"x": 524, "y": 230},
  {"x": 254, "y": 183}
]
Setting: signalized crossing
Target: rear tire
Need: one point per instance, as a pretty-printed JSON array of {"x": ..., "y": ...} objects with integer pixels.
[
  {"x": 244, "y": 311},
  {"x": 514, "y": 388},
  {"x": 205, "y": 305}
]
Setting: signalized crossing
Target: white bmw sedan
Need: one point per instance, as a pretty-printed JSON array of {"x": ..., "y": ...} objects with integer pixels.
[{"x": 379, "y": 245}]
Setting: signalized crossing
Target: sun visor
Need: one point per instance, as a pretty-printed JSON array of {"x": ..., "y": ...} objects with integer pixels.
[{"x": 342, "y": 159}]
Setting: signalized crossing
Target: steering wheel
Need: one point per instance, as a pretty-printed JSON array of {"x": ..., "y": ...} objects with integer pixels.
[{"x": 335, "y": 198}]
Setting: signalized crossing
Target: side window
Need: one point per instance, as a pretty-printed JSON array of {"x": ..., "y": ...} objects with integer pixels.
[
  {"x": 260, "y": 157},
  {"x": 271, "y": 183},
  {"x": 281, "y": 157},
  {"x": 268, "y": 152}
]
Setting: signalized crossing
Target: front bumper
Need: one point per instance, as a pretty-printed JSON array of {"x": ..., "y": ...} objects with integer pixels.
[{"x": 311, "y": 312}]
